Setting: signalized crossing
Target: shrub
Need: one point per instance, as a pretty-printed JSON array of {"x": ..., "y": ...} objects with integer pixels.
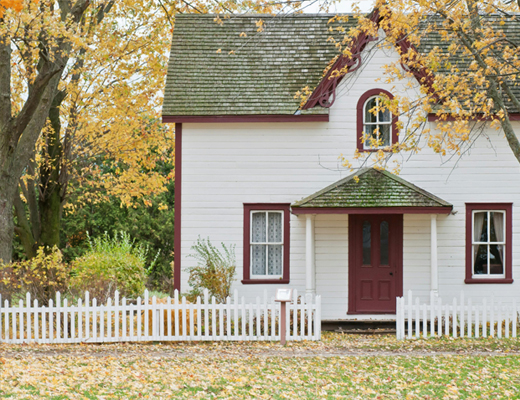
[
  {"x": 42, "y": 276},
  {"x": 110, "y": 264},
  {"x": 214, "y": 271}
]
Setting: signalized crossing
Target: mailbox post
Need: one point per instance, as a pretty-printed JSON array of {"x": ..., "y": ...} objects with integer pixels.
[{"x": 283, "y": 296}]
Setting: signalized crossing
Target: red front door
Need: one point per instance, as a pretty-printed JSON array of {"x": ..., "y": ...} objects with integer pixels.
[{"x": 375, "y": 263}]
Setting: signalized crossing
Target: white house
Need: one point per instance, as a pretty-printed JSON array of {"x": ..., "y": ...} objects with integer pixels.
[{"x": 256, "y": 169}]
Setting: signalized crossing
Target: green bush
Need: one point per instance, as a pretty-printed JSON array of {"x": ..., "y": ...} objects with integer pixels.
[
  {"x": 110, "y": 264},
  {"x": 215, "y": 271}
]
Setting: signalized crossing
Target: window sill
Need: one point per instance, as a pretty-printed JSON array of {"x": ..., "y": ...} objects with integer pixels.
[
  {"x": 386, "y": 149},
  {"x": 264, "y": 281},
  {"x": 488, "y": 280}
]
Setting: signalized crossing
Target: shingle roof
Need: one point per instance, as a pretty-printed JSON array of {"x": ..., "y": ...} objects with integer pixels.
[
  {"x": 373, "y": 189},
  {"x": 510, "y": 29},
  {"x": 265, "y": 69},
  {"x": 261, "y": 77}
]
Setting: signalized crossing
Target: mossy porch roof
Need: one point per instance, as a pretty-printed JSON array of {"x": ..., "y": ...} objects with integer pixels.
[{"x": 373, "y": 189}]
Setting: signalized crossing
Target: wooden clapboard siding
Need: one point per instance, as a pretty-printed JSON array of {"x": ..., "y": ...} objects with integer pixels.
[
  {"x": 331, "y": 244},
  {"x": 226, "y": 165}
]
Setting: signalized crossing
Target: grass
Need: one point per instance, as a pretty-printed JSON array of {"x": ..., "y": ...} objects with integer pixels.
[{"x": 341, "y": 366}]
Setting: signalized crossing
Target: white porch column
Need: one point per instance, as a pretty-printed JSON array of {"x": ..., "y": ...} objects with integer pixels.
[
  {"x": 434, "y": 278},
  {"x": 310, "y": 260}
]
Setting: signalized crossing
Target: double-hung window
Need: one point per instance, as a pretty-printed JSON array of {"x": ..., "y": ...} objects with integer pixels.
[
  {"x": 488, "y": 242},
  {"x": 266, "y": 243},
  {"x": 376, "y": 125}
]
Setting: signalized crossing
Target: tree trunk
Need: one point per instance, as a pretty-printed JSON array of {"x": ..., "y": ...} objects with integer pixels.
[
  {"x": 6, "y": 220},
  {"x": 50, "y": 187}
]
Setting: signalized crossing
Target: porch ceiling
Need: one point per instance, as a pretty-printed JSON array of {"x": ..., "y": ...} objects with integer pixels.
[{"x": 373, "y": 192}]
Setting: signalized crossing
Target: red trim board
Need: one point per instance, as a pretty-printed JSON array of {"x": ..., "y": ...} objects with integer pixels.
[
  {"x": 375, "y": 210},
  {"x": 177, "y": 208},
  {"x": 244, "y": 118}
]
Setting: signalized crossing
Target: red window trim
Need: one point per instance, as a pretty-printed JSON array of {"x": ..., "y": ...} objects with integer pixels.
[
  {"x": 248, "y": 207},
  {"x": 508, "y": 208},
  {"x": 360, "y": 105}
]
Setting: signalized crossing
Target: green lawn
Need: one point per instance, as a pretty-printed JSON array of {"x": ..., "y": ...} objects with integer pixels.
[{"x": 338, "y": 367}]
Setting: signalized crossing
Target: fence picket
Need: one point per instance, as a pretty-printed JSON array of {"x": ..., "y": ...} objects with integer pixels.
[
  {"x": 409, "y": 314},
  {"x": 243, "y": 333},
  {"x": 184, "y": 327},
  {"x": 116, "y": 315},
  {"x": 454, "y": 320},
  {"x": 199, "y": 318},
  {"x": 462, "y": 312},
  {"x": 499, "y": 320},
  {"x": 515, "y": 318}
]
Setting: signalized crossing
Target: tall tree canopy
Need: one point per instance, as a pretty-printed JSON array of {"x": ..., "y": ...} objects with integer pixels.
[{"x": 103, "y": 133}]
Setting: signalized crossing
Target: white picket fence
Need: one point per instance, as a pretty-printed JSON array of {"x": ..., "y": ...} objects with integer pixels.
[
  {"x": 158, "y": 320},
  {"x": 460, "y": 318}
]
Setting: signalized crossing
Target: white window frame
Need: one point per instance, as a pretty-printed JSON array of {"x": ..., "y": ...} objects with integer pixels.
[
  {"x": 488, "y": 243},
  {"x": 267, "y": 243},
  {"x": 365, "y": 123}
]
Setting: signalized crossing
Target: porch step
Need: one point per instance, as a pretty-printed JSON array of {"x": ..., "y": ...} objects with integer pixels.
[{"x": 359, "y": 327}]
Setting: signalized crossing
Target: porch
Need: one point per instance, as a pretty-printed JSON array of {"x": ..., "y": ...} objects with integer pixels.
[{"x": 363, "y": 236}]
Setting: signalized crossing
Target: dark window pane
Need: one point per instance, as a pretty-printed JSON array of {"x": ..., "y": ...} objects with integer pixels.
[
  {"x": 367, "y": 243},
  {"x": 369, "y": 105},
  {"x": 384, "y": 134},
  {"x": 480, "y": 222},
  {"x": 496, "y": 257},
  {"x": 480, "y": 264},
  {"x": 384, "y": 243},
  {"x": 384, "y": 115},
  {"x": 370, "y": 133}
]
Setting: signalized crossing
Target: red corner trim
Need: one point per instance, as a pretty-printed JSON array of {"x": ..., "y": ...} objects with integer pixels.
[
  {"x": 508, "y": 208},
  {"x": 286, "y": 242},
  {"x": 360, "y": 119},
  {"x": 244, "y": 118},
  {"x": 177, "y": 208},
  {"x": 327, "y": 86}
]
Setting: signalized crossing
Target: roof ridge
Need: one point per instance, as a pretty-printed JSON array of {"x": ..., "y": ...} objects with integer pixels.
[
  {"x": 332, "y": 186},
  {"x": 376, "y": 174}
]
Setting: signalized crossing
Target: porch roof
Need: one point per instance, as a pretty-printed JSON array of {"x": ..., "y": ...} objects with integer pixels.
[{"x": 373, "y": 191}]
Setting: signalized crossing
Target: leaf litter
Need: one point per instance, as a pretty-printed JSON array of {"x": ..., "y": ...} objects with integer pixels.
[{"x": 339, "y": 366}]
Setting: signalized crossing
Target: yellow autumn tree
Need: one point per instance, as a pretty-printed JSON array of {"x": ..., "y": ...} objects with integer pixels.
[
  {"x": 15, "y": 5},
  {"x": 465, "y": 54},
  {"x": 103, "y": 135}
]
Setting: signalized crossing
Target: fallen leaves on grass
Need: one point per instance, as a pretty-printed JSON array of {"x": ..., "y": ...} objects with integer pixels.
[{"x": 372, "y": 367}]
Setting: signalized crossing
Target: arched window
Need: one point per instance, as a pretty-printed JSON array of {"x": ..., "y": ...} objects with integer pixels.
[{"x": 376, "y": 126}]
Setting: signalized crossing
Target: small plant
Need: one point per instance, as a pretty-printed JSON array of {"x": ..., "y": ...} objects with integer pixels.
[
  {"x": 42, "y": 276},
  {"x": 110, "y": 264},
  {"x": 215, "y": 270}
]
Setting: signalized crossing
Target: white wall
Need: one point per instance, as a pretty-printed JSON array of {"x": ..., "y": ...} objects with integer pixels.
[{"x": 226, "y": 165}]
